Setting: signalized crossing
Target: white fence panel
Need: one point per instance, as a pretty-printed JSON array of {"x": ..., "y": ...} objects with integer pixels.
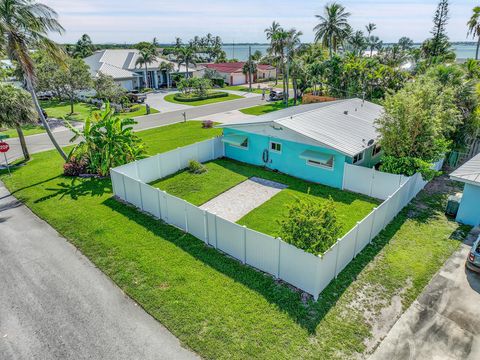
[
  {"x": 117, "y": 184},
  {"x": 132, "y": 191},
  {"x": 219, "y": 148},
  {"x": 357, "y": 179},
  {"x": 206, "y": 151},
  {"x": 197, "y": 222},
  {"x": 176, "y": 211},
  {"x": 231, "y": 238},
  {"x": 379, "y": 219},
  {"x": 326, "y": 269},
  {"x": 364, "y": 232},
  {"x": 188, "y": 153},
  {"x": 262, "y": 251},
  {"x": 148, "y": 170},
  {"x": 346, "y": 250},
  {"x": 212, "y": 229},
  {"x": 129, "y": 169},
  {"x": 170, "y": 163},
  {"x": 150, "y": 201},
  {"x": 162, "y": 200},
  {"x": 298, "y": 267},
  {"x": 385, "y": 184}
]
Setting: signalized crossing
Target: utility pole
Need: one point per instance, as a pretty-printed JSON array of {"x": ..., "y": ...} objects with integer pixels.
[{"x": 250, "y": 68}]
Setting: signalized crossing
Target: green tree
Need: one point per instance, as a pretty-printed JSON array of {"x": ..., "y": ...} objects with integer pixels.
[
  {"x": 370, "y": 27},
  {"x": 311, "y": 225},
  {"x": 333, "y": 28},
  {"x": 249, "y": 69},
  {"x": 83, "y": 48},
  {"x": 65, "y": 81},
  {"x": 16, "y": 109},
  {"x": 271, "y": 34},
  {"x": 108, "y": 90},
  {"x": 357, "y": 42},
  {"x": 405, "y": 43},
  {"x": 474, "y": 27},
  {"x": 186, "y": 55},
  {"x": 168, "y": 67},
  {"x": 25, "y": 25},
  {"x": 146, "y": 55},
  {"x": 438, "y": 48}
]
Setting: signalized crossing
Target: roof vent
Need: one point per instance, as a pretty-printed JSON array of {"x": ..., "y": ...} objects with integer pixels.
[
  {"x": 370, "y": 142},
  {"x": 346, "y": 112}
]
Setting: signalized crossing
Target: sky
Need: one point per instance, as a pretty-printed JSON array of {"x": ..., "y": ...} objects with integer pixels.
[{"x": 127, "y": 21}]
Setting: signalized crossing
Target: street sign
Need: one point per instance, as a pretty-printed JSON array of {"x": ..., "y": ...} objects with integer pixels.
[{"x": 4, "y": 147}]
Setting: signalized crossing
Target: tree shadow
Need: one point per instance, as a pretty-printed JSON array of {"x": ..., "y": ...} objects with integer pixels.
[
  {"x": 300, "y": 307},
  {"x": 76, "y": 188}
]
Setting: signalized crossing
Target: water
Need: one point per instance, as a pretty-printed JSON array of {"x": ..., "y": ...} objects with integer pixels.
[{"x": 240, "y": 51}]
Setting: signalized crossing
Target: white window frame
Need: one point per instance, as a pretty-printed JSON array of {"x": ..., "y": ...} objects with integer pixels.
[
  {"x": 359, "y": 161},
  {"x": 242, "y": 147},
  {"x": 275, "y": 151},
  {"x": 317, "y": 164},
  {"x": 373, "y": 150}
]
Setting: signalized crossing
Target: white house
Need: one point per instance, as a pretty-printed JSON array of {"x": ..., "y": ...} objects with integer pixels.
[{"x": 121, "y": 65}]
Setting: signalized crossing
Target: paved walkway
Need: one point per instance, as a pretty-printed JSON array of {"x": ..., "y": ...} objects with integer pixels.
[
  {"x": 444, "y": 322},
  {"x": 54, "y": 303},
  {"x": 243, "y": 198}
]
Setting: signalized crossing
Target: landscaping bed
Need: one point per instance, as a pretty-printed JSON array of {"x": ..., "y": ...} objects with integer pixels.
[
  {"x": 193, "y": 97},
  {"x": 215, "y": 305},
  {"x": 223, "y": 174},
  {"x": 198, "y": 101}
]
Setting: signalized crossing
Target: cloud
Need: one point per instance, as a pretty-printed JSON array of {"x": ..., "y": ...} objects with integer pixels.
[{"x": 131, "y": 21}]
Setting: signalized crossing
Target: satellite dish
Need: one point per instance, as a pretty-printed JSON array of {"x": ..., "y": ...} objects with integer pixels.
[{"x": 371, "y": 142}]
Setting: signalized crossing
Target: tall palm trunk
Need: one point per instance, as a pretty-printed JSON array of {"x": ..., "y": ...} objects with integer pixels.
[
  {"x": 23, "y": 143},
  {"x": 31, "y": 90},
  {"x": 146, "y": 76},
  {"x": 186, "y": 66}
]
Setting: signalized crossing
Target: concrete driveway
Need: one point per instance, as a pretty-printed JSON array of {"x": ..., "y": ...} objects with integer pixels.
[
  {"x": 157, "y": 101},
  {"x": 444, "y": 322},
  {"x": 55, "y": 304}
]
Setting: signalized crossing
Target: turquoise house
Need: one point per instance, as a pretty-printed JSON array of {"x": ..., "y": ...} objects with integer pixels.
[
  {"x": 469, "y": 209},
  {"x": 312, "y": 142}
]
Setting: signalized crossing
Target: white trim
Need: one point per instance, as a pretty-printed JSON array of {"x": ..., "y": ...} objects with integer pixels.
[
  {"x": 275, "y": 151},
  {"x": 359, "y": 161},
  {"x": 319, "y": 165}
]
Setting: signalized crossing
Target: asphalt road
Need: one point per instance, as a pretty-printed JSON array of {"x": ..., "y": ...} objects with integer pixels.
[
  {"x": 443, "y": 323},
  {"x": 54, "y": 303},
  {"x": 41, "y": 142}
]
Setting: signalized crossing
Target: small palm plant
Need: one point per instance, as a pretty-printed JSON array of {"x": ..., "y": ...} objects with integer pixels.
[{"x": 107, "y": 141}]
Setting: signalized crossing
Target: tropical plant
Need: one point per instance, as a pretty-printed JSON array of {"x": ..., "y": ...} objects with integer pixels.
[
  {"x": 405, "y": 43},
  {"x": 108, "y": 90},
  {"x": 249, "y": 69},
  {"x": 311, "y": 225},
  {"x": 196, "y": 167},
  {"x": 474, "y": 27},
  {"x": 357, "y": 42},
  {"x": 168, "y": 68},
  {"x": 333, "y": 28},
  {"x": 16, "y": 109},
  {"x": 273, "y": 50},
  {"x": 438, "y": 48},
  {"x": 25, "y": 25},
  {"x": 146, "y": 55},
  {"x": 370, "y": 27},
  {"x": 374, "y": 43},
  {"x": 83, "y": 48},
  {"x": 186, "y": 55},
  {"x": 106, "y": 141}
]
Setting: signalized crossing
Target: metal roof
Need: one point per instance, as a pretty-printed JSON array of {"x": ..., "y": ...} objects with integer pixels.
[
  {"x": 345, "y": 125},
  {"x": 468, "y": 172}
]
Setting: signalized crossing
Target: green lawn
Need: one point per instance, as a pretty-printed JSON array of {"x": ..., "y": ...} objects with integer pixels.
[
  {"x": 244, "y": 88},
  {"x": 170, "y": 98},
  {"x": 224, "y": 174},
  {"x": 213, "y": 304},
  {"x": 265, "y": 109},
  {"x": 27, "y": 130}
]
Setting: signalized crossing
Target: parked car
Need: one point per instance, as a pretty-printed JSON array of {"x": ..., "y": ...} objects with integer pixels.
[
  {"x": 47, "y": 95},
  {"x": 275, "y": 95},
  {"x": 136, "y": 97},
  {"x": 473, "y": 258}
]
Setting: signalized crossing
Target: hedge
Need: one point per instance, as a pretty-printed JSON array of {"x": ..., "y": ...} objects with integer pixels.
[{"x": 215, "y": 95}]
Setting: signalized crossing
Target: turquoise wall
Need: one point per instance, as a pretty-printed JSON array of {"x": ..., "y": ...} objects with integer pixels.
[
  {"x": 368, "y": 160},
  {"x": 288, "y": 162},
  {"x": 469, "y": 210}
]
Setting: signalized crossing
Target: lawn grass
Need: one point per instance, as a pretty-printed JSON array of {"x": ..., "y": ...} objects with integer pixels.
[
  {"x": 213, "y": 304},
  {"x": 169, "y": 137},
  {"x": 170, "y": 98},
  {"x": 244, "y": 88},
  {"x": 265, "y": 109},
  {"x": 27, "y": 130},
  {"x": 223, "y": 174}
]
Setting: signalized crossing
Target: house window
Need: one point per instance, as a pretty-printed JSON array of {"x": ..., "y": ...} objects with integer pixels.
[
  {"x": 376, "y": 150},
  {"x": 275, "y": 147},
  {"x": 358, "y": 158},
  {"x": 244, "y": 144},
  {"x": 326, "y": 165}
]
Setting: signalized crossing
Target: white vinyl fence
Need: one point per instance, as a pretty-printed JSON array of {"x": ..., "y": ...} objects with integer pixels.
[{"x": 305, "y": 271}]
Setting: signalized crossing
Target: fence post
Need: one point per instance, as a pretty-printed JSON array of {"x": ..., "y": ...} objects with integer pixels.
[
  {"x": 166, "y": 205},
  {"x": 372, "y": 179},
  {"x": 374, "y": 214},
  {"x": 336, "y": 257},
  {"x": 159, "y": 163},
  {"x": 356, "y": 240},
  {"x": 279, "y": 257},
  {"x": 124, "y": 188},
  {"x": 244, "y": 244},
  {"x": 140, "y": 191},
  {"x": 205, "y": 226},
  {"x": 185, "y": 205},
  {"x": 159, "y": 203},
  {"x": 388, "y": 206},
  {"x": 216, "y": 233}
]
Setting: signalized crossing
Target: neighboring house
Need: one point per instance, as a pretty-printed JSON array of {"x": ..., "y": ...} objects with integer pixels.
[
  {"x": 312, "y": 142},
  {"x": 469, "y": 173},
  {"x": 121, "y": 65},
  {"x": 232, "y": 72}
]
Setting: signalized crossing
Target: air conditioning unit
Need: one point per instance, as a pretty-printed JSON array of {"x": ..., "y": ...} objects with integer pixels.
[{"x": 453, "y": 204}]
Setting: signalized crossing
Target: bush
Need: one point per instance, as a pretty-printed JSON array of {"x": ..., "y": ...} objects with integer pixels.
[
  {"x": 408, "y": 166},
  {"x": 207, "y": 124},
  {"x": 145, "y": 90},
  {"x": 74, "y": 167},
  {"x": 195, "y": 167},
  {"x": 191, "y": 98},
  {"x": 311, "y": 225}
]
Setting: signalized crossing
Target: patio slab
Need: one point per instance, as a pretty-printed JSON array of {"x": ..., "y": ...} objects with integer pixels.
[{"x": 240, "y": 200}]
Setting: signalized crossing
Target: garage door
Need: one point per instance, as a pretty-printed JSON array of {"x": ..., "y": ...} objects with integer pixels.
[{"x": 238, "y": 79}]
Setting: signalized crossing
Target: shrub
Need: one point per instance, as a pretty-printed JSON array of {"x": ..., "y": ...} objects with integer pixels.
[
  {"x": 311, "y": 225},
  {"x": 191, "y": 98},
  {"x": 408, "y": 166},
  {"x": 75, "y": 167},
  {"x": 207, "y": 124},
  {"x": 195, "y": 167}
]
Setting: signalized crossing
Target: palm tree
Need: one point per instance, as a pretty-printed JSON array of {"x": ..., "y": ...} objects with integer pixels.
[
  {"x": 292, "y": 45},
  {"x": 279, "y": 43},
  {"x": 358, "y": 42},
  {"x": 374, "y": 43},
  {"x": 187, "y": 55},
  {"x": 16, "y": 109},
  {"x": 271, "y": 34},
  {"x": 370, "y": 27},
  {"x": 146, "y": 56},
  {"x": 474, "y": 27},
  {"x": 24, "y": 25},
  {"x": 333, "y": 28},
  {"x": 168, "y": 68}
]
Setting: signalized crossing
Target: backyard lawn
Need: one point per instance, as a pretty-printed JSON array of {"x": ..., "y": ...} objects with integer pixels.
[
  {"x": 213, "y": 304},
  {"x": 265, "y": 109},
  {"x": 170, "y": 98},
  {"x": 223, "y": 174}
]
